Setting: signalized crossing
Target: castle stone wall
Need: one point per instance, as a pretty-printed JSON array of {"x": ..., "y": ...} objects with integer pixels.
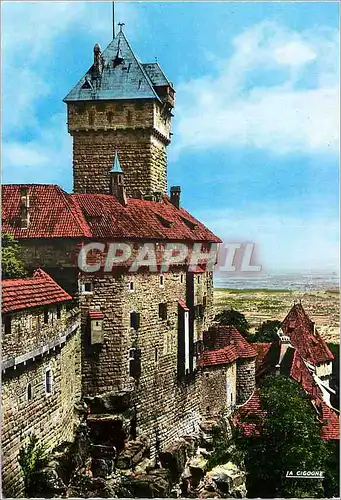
[
  {"x": 49, "y": 416},
  {"x": 136, "y": 130},
  {"x": 218, "y": 389},
  {"x": 246, "y": 379}
]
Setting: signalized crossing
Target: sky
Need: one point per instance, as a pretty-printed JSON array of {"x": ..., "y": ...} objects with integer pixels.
[{"x": 256, "y": 126}]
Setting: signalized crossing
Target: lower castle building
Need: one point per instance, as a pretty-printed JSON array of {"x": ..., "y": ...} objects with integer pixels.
[{"x": 41, "y": 369}]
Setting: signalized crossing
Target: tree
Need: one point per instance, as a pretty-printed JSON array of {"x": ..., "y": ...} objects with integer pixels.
[
  {"x": 32, "y": 459},
  {"x": 266, "y": 332},
  {"x": 288, "y": 440},
  {"x": 12, "y": 265},
  {"x": 234, "y": 318}
]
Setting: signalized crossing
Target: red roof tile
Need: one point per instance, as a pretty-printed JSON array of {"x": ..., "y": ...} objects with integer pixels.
[
  {"x": 218, "y": 357},
  {"x": 251, "y": 407},
  {"x": 262, "y": 350},
  {"x": 300, "y": 372},
  {"x": 330, "y": 421},
  {"x": 223, "y": 336},
  {"x": 300, "y": 329},
  {"x": 54, "y": 214},
  {"x": 23, "y": 293}
]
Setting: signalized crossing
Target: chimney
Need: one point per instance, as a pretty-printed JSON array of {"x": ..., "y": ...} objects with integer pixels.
[
  {"x": 24, "y": 208},
  {"x": 117, "y": 187},
  {"x": 175, "y": 194}
]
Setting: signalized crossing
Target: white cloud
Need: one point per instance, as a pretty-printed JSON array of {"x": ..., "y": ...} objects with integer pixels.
[
  {"x": 30, "y": 32},
  {"x": 234, "y": 109}
]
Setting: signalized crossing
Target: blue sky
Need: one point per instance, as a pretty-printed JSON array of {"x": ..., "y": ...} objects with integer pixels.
[{"x": 255, "y": 144}]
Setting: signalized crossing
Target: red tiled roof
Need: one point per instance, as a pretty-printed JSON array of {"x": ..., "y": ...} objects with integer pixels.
[
  {"x": 308, "y": 342},
  {"x": 23, "y": 293},
  {"x": 300, "y": 372},
  {"x": 218, "y": 357},
  {"x": 54, "y": 214},
  {"x": 262, "y": 350},
  {"x": 328, "y": 417},
  {"x": 251, "y": 407},
  {"x": 330, "y": 421},
  {"x": 225, "y": 335}
]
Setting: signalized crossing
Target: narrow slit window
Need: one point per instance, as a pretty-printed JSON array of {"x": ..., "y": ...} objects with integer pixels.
[
  {"x": 8, "y": 325},
  {"x": 46, "y": 316},
  {"x": 162, "y": 280},
  {"x": 29, "y": 392},
  {"x": 58, "y": 312},
  {"x": 48, "y": 381}
]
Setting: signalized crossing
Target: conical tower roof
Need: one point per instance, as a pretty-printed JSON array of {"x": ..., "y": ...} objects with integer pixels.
[
  {"x": 122, "y": 76},
  {"x": 116, "y": 167}
]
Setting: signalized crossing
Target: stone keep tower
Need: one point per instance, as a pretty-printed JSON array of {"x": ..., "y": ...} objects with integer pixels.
[{"x": 120, "y": 105}]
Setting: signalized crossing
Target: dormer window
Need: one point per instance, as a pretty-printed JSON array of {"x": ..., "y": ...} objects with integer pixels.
[
  {"x": 190, "y": 224},
  {"x": 164, "y": 222}
]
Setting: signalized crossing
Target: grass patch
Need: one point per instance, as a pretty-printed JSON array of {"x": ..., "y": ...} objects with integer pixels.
[{"x": 252, "y": 290}]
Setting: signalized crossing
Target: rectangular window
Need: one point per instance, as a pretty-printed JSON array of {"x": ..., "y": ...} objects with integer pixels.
[
  {"x": 163, "y": 311},
  {"x": 135, "y": 363},
  {"x": 58, "y": 312},
  {"x": 88, "y": 286},
  {"x": 8, "y": 324},
  {"x": 135, "y": 320},
  {"x": 48, "y": 381},
  {"x": 181, "y": 278},
  {"x": 162, "y": 280},
  {"x": 204, "y": 300},
  {"x": 186, "y": 330},
  {"x": 131, "y": 286},
  {"x": 46, "y": 316}
]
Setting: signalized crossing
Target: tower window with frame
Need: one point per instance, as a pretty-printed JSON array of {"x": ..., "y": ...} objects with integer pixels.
[
  {"x": 131, "y": 286},
  {"x": 48, "y": 381}
]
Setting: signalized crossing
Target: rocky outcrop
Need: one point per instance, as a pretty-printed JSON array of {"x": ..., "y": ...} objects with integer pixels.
[
  {"x": 133, "y": 453},
  {"x": 223, "y": 481}
]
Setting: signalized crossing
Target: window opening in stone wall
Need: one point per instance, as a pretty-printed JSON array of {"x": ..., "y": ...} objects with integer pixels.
[
  {"x": 162, "y": 280},
  {"x": 110, "y": 116},
  {"x": 198, "y": 279},
  {"x": 91, "y": 117},
  {"x": 58, "y": 312},
  {"x": 163, "y": 310},
  {"x": 156, "y": 354},
  {"x": 181, "y": 278},
  {"x": 135, "y": 320},
  {"x": 88, "y": 286},
  {"x": 48, "y": 381},
  {"x": 29, "y": 392},
  {"x": 8, "y": 324},
  {"x": 131, "y": 286},
  {"x": 46, "y": 316}
]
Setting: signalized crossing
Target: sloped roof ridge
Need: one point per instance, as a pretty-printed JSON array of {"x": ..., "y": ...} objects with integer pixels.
[{"x": 140, "y": 66}]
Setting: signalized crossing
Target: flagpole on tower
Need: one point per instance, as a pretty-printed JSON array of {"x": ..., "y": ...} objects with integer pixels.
[{"x": 113, "y": 20}]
